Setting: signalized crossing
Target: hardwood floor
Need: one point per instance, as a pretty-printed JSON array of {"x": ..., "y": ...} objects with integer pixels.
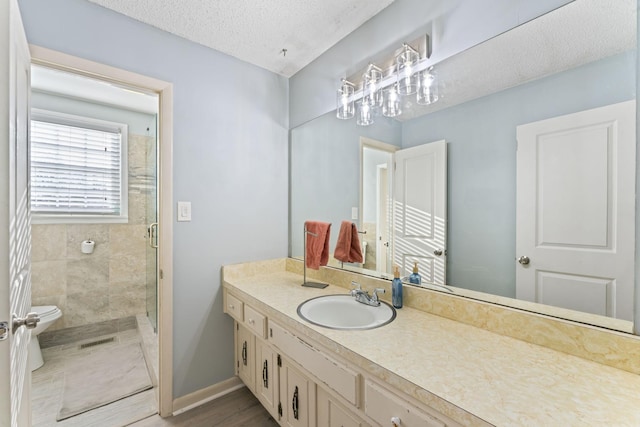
[{"x": 237, "y": 409}]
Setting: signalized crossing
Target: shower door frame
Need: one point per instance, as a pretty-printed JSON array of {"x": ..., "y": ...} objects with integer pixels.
[{"x": 164, "y": 90}]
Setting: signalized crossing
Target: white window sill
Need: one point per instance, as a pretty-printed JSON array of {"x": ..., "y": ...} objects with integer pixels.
[{"x": 78, "y": 219}]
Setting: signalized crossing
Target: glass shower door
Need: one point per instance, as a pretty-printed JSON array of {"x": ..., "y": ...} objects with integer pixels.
[{"x": 152, "y": 230}]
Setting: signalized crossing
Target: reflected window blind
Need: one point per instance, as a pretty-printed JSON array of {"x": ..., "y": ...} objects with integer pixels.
[{"x": 75, "y": 170}]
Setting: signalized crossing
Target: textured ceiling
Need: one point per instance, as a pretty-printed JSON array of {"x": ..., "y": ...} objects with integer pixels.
[
  {"x": 256, "y": 31},
  {"x": 578, "y": 33}
]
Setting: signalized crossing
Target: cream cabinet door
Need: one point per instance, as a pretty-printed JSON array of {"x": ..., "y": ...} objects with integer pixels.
[
  {"x": 297, "y": 397},
  {"x": 267, "y": 377},
  {"x": 331, "y": 413},
  {"x": 245, "y": 356}
]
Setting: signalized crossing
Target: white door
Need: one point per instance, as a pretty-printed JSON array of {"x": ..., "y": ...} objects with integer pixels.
[
  {"x": 575, "y": 211},
  {"x": 420, "y": 211},
  {"x": 15, "y": 216},
  {"x": 382, "y": 219}
]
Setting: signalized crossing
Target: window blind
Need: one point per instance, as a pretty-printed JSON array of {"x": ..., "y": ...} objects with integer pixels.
[{"x": 75, "y": 170}]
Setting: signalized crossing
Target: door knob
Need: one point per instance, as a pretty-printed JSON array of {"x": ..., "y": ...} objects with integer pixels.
[
  {"x": 30, "y": 321},
  {"x": 438, "y": 252},
  {"x": 524, "y": 260}
]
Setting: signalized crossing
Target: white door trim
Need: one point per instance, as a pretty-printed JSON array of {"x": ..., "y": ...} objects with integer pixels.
[{"x": 63, "y": 61}]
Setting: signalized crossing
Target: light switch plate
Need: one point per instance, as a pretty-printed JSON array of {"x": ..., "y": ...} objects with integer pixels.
[
  {"x": 354, "y": 213},
  {"x": 184, "y": 211}
]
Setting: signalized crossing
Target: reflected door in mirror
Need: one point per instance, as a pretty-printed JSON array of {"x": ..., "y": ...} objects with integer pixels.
[
  {"x": 575, "y": 211},
  {"x": 420, "y": 205}
]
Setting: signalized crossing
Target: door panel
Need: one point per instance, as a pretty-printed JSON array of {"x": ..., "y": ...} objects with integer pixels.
[
  {"x": 15, "y": 216},
  {"x": 575, "y": 211},
  {"x": 420, "y": 209}
]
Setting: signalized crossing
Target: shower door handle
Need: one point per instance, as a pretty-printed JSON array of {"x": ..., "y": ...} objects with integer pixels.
[{"x": 152, "y": 232}]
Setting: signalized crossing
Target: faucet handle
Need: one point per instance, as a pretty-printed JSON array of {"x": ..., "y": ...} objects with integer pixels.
[
  {"x": 357, "y": 287},
  {"x": 375, "y": 293}
]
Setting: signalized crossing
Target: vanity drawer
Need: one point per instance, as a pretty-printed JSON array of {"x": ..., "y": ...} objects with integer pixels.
[
  {"x": 255, "y": 321},
  {"x": 381, "y": 406},
  {"x": 336, "y": 376},
  {"x": 234, "y": 307}
]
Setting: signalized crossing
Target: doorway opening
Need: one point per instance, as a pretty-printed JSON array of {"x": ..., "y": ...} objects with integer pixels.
[{"x": 135, "y": 283}]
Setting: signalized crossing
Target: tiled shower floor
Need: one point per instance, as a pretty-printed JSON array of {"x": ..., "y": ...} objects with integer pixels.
[{"x": 47, "y": 384}]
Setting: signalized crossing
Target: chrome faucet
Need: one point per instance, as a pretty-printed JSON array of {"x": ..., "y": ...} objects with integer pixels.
[{"x": 363, "y": 296}]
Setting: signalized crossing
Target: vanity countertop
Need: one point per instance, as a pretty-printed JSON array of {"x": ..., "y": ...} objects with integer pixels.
[{"x": 473, "y": 376}]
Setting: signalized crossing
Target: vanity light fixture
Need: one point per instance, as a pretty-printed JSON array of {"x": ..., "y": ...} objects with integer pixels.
[
  {"x": 345, "y": 101},
  {"x": 407, "y": 71}
]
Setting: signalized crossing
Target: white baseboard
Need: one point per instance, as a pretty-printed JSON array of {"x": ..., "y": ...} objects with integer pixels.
[{"x": 202, "y": 396}]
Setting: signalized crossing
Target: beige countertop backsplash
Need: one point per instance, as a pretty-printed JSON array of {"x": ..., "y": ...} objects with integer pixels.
[{"x": 475, "y": 362}]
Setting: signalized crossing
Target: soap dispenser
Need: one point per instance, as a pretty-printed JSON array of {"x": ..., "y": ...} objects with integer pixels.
[
  {"x": 415, "y": 276},
  {"x": 396, "y": 288}
]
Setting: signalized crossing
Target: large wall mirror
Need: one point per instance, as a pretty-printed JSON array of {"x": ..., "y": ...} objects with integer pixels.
[{"x": 538, "y": 131}]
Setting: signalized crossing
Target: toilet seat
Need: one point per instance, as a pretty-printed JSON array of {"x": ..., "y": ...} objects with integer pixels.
[{"x": 45, "y": 310}]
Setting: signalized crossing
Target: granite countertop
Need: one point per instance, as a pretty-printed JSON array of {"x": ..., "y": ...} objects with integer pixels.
[{"x": 469, "y": 374}]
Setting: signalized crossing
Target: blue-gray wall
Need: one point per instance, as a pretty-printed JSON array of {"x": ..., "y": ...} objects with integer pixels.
[
  {"x": 139, "y": 123},
  {"x": 325, "y": 171},
  {"x": 230, "y": 147},
  {"x": 481, "y": 155}
]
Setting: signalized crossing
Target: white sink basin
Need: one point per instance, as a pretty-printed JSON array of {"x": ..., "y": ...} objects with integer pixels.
[{"x": 344, "y": 312}]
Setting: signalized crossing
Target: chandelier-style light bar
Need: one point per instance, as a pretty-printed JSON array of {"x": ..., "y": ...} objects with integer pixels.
[{"x": 408, "y": 74}]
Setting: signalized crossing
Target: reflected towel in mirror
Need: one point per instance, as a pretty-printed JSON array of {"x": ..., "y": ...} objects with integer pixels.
[
  {"x": 317, "y": 243},
  {"x": 348, "y": 248}
]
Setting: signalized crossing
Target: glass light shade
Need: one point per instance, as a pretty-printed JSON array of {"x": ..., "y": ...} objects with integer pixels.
[
  {"x": 363, "y": 114},
  {"x": 391, "y": 103},
  {"x": 345, "y": 108},
  {"x": 371, "y": 89},
  {"x": 428, "y": 87},
  {"x": 406, "y": 63}
]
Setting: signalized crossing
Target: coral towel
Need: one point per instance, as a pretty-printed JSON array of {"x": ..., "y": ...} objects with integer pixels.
[
  {"x": 348, "y": 247},
  {"x": 318, "y": 245}
]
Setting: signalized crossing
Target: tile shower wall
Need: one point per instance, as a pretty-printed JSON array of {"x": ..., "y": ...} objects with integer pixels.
[{"x": 110, "y": 283}]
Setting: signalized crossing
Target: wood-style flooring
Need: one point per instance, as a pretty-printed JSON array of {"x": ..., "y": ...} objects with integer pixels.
[{"x": 237, "y": 409}]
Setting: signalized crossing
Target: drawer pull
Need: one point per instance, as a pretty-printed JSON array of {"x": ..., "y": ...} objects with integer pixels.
[
  {"x": 294, "y": 404},
  {"x": 232, "y": 307},
  {"x": 265, "y": 374},
  {"x": 244, "y": 353},
  {"x": 395, "y": 421},
  {"x": 252, "y": 322}
]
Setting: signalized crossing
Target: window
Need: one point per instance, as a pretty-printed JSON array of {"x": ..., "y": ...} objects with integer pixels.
[{"x": 78, "y": 169}]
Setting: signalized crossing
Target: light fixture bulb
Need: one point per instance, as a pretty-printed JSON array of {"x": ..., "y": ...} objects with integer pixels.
[
  {"x": 371, "y": 90},
  {"x": 345, "y": 104},
  {"x": 363, "y": 116},
  {"x": 391, "y": 103},
  {"x": 428, "y": 87},
  {"x": 406, "y": 61}
]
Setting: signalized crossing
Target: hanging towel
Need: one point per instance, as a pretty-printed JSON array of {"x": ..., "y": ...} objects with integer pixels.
[
  {"x": 317, "y": 251},
  {"x": 348, "y": 248}
]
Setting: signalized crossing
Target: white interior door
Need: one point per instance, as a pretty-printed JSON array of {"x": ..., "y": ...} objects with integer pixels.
[
  {"x": 382, "y": 219},
  {"x": 420, "y": 211},
  {"x": 575, "y": 211},
  {"x": 15, "y": 216}
]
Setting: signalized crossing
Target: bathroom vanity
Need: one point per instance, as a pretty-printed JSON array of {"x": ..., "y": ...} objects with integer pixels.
[{"x": 419, "y": 370}]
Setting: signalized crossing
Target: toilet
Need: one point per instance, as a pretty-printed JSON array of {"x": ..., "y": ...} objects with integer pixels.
[{"x": 48, "y": 314}]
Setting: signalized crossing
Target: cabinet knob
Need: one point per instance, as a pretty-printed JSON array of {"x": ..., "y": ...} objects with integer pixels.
[
  {"x": 251, "y": 321},
  {"x": 232, "y": 307},
  {"x": 395, "y": 421}
]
